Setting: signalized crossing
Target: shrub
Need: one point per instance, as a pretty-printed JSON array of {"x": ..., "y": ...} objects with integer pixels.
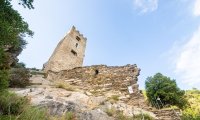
[
  {"x": 3, "y": 79},
  {"x": 18, "y": 108},
  {"x": 19, "y": 65},
  {"x": 10, "y": 103},
  {"x": 190, "y": 114},
  {"x": 19, "y": 77},
  {"x": 162, "y": 90},
  {"x": 192, "y": 110}
]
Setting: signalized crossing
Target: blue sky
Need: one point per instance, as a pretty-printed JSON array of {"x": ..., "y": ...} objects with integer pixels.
[{"x": 157, "y": 35}]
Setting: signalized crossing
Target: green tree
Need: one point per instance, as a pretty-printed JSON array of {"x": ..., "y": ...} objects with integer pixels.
[
  {"x": 161, "y": 91},
  {"x": 13, "y": 30}
]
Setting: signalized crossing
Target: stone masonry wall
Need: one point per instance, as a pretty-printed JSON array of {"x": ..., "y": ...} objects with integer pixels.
[{"x": 101, "y": 78}]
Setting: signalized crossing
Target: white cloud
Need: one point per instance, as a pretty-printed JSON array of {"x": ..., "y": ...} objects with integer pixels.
[
  {"x": 197, "y": 8},
  {"x": 145, "y": 5},
  {"x": 187, "y": 60}
]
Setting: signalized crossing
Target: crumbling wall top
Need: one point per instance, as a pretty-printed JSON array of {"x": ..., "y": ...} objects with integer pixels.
[{"x": 74, "y": 30}]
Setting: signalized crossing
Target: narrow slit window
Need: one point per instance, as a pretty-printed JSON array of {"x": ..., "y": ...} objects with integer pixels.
[
  {"x": 96, "y": 72},
  {"x": 76, "y": 45},
  {"x": 73, "y": 52},
  {"x": 78, "y": 38}
]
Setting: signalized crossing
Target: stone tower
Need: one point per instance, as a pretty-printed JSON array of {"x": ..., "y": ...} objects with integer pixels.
[{"x": 69, "y": 52}]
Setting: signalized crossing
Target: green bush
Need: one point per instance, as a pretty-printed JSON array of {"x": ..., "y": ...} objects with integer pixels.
[
  {"x": 10, "y": 103},
  {"x": 4, "y": 76},
  {"x": 19, "y": 65},
  {"x": 162, "y": 90},
  {"x": 190, "y": 114},
  {"x": 192, "y": 110},
  {"x": 19, "y": 77}
]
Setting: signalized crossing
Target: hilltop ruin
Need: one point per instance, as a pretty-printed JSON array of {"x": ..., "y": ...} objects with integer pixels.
[{"x": 69, "y": 52}]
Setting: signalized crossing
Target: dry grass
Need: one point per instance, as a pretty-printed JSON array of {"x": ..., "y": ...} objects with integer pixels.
[
  {"x": 66, "y": 116},
  {"x": 111, "y": 112},
  {"x": 64, "y": 85},
  {"x": 113, "y": 98}
]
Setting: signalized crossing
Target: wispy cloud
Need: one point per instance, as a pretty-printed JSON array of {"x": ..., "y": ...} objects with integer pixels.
[
  {"x": 187, "y": 60},
  {"x": 145, "y": 5},
  {"x": 186, "y": 56},
  {"x": 197, "y": 8}
]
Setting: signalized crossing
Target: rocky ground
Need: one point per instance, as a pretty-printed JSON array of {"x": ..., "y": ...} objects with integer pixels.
[{"x": 85, "y": 105}]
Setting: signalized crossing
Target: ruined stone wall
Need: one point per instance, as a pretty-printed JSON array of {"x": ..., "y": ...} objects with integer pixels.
[
  {"x": 101, "y": 78},
  {"x": 69, "y": 53}
]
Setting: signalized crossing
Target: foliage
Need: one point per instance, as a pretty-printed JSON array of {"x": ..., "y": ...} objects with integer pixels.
[
  {"x": 27, "y": 3},
  {"x": 160, "y": 86},
  {"x": 144, "y": 94},
  {"x": 13, "y": 30},
  {"x": 37, "y": 72},
  {"x": 33, "y": 113},
  {"x": 192, "y": 111},
  {"x": 10, "y": 103},
  {"x": 7, "y": 117},
  {"x": 18, "y": 108},
  {"x": 19, "y": 77},
  {"x": 3, "y": 79},
  {"x": 20, "y": 65},
  {"x": 34, "y": 69},
  {"x": 4, "y": 63}
]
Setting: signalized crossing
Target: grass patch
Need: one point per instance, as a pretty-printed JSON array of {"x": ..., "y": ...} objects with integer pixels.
[
  {"x": 66, "y": 116},
  {"x": 121, "y": 116},
  {"x": 111, "y": 112},
  {"x": 95, "y": 92},
  {"x": 37, "y": 73},
  {"x": 113, "y": 98},
  {"x": 14, "y": 107},
  {"x": 141, "y": 116},
  {"x": 64, "y": 85},
  {"x": 69, "y": 116},
  {"x": 10, "y": 103},
  {"x": 33, "y": 113},
  {"x": 118, "y": 115}
]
